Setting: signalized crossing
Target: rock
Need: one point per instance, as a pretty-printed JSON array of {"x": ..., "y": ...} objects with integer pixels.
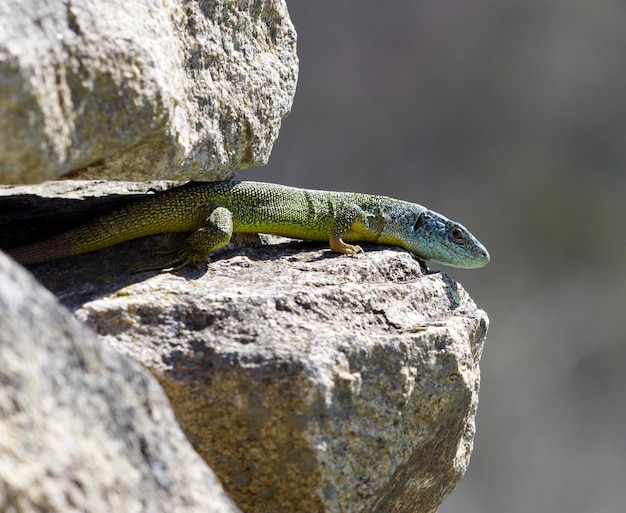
[
  {"x": 142, "y": 90},
  {"x": 307, "y": 380},
  {"x": 83, "y": 428}
]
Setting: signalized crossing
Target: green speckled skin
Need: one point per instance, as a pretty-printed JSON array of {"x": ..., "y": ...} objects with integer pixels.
[{"x": 214, "y": 210}]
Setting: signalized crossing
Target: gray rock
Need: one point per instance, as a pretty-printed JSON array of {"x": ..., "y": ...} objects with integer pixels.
[
  {"x": 308, "y": 381},
  {"x": 312, "y": 382},
  {"x": 83, "y": 428},
  {"x": 140, "y": 90}
]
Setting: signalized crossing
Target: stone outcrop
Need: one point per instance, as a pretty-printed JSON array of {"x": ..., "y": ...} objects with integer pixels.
[
  {"x": 307, "y": 380},
  {"x": 82, "y": 427},
  {"x": 142, "y": 90}
]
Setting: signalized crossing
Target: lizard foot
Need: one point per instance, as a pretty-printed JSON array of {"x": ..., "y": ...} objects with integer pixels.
[{"x": 339, "y": 246}]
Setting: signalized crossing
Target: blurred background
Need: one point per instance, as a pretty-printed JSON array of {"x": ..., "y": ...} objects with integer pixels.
[{"x": 509, "y": 117}]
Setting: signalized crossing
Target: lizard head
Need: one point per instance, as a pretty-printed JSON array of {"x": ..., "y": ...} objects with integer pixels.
[{"x": 434, "y": 237}]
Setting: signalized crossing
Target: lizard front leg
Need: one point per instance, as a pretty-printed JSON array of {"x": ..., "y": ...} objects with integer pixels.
[
  {"x": 354, "y": 220},
  {"x": 216, "y": 233}
]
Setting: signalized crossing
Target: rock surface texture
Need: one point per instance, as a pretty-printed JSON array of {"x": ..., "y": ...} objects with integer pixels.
[
  {"x": 83, "y": 428},
  {"x": 309, "y": 381},
  {"x": 143, "y": 90}
]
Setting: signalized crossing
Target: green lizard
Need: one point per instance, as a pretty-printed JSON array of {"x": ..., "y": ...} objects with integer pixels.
[{"x": 213, "y": 211}]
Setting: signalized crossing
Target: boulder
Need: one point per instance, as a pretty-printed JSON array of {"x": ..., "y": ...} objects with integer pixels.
[
  {"x": 82, "y": 427},
  {"x": 142, "y": 90}
]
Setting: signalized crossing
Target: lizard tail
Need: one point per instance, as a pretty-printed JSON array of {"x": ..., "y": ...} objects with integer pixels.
[{"x": 43, "y": 251}]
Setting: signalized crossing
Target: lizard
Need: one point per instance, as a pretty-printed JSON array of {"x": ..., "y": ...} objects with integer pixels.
[{"x": 213, "y": 211}]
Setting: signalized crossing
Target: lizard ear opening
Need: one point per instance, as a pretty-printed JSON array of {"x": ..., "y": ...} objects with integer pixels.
[{"x": 418, "y": 222}]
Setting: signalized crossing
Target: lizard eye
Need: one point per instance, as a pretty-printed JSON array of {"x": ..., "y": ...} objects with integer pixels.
[
  {"x": 418, "y": 223},
  {"x": 457, "y": 233}
]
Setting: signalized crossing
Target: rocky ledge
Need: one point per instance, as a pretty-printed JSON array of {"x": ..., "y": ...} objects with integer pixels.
[{"x": 308, "y": 381}]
